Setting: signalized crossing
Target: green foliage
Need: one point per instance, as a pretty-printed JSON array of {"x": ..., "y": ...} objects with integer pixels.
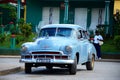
[
  {"x": 22, "y": 31},
  {"x": 25, "y": 28},
  {"x": 19, "y": 38},
  {"x": 117, "y": 23},
  {"x": 2, "y": 38},
  {"x": 117, "y": 29},
  {"x": 13, "y": 29},
  {"x": 117, "y": 41},
  {"x": 109, "y": 46},
  {"x": 22, "y": 39},
  {"x": 5, "y": 40},
  {"x": 21, "y": 21},
  {"x": 11, "y": 10}
]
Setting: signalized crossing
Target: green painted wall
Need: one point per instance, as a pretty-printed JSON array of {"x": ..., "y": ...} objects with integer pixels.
[
  {"x": 111, "y": 18},
  {"x": 34, "y": 13},
  {"x": 34, "y": 9},
  {"x": 88, "y": 17},
  {"x": 61, "y": 15}
]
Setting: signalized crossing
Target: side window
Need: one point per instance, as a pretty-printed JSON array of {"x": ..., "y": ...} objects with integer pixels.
[
  {"x": 85, "y": 35},
  {"x": 74, "y": 34},
  {"x": 80, "y": 34}
]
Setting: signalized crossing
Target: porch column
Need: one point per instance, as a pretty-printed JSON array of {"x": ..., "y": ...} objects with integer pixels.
[
  {"x": 66, "y": 11},
  {"x": 18, "y": 9},
  {"x": 107, "y": 4},
  {"x": 25, "y": 13},
  {"x": 88, "y": 18}
]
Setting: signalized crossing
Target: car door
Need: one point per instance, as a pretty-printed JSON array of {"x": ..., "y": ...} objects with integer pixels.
[{"x": 83, "y": 48}]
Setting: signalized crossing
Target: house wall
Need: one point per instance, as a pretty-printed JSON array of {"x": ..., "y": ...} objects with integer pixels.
[
  {"x": 116, "y": 6},
  {"x": 34, "y": 12},
  {"x": 86, "y": 13}
]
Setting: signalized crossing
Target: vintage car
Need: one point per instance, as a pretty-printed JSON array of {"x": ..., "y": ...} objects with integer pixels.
[{"x": 59, "y": 45}]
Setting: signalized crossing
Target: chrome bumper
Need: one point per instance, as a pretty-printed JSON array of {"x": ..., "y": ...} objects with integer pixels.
[{"x": 56, "y": 61}]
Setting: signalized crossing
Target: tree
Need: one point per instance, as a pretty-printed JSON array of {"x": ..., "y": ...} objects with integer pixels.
[
  {"x": 9, "y": 13},
  {"x": 117, "y": 23}
]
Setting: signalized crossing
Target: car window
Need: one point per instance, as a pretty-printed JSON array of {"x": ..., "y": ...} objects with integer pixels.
[
  {"x": 85, "y": 35},
  {"x": 80, "y": 34},
  {"x": 63, "y": 32},
  {"x": 47, "y": 32}
]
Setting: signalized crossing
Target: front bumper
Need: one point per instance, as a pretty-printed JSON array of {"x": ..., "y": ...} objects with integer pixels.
[
  {"x": 55, "y": 57},
  {"x": 56, "y": 61}
]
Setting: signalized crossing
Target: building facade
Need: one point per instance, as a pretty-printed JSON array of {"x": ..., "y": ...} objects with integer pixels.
[
  {"x": 86, "y": 13},
  {"x": 116, "y": 6}
]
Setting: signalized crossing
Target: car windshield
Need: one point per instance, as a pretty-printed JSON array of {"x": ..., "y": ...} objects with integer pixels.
[{"x": 64, "y": 32}]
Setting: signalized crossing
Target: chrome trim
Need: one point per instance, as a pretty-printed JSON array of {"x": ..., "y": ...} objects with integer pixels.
[{"x": 58, "y": 61}]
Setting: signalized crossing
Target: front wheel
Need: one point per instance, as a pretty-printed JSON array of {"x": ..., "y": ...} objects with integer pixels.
[
  {"x": 73, "y": 67},
  {"x": 28, "y": 68},
  {"x": 90, "y": 64},
  {"x": 49, "y": 67}
]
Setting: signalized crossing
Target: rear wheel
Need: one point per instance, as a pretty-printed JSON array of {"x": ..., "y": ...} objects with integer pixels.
[
  {"x": 90, "y": 64},
  {"x": 73, "y": 67},
  {"x": 28, "y": 68}
]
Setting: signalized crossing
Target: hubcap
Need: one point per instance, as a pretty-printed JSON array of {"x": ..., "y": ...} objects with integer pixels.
[{"x": 92, "y": 61}]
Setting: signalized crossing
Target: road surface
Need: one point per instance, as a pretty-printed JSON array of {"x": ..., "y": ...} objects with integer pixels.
[{"x": 102, "y": 71}]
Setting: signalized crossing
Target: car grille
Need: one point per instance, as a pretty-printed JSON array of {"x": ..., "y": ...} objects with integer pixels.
[
  {"x": 45, "y": 52},
  {"x": 45, "y": 55}
]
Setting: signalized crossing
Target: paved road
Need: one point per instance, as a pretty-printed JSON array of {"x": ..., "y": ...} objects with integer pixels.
[
  {"x": 9, "y": 62},
  {"x": 102, "y": 71}
]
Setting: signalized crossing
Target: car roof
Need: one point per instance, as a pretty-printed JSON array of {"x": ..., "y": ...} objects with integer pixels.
[{"x": 73, "y": 26}]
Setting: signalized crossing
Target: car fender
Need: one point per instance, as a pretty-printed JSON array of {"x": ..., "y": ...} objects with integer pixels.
[{"x": 91, "y": 52}]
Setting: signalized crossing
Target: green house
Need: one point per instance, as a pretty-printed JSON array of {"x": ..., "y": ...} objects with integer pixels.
[{"x": 86, "y": 13}]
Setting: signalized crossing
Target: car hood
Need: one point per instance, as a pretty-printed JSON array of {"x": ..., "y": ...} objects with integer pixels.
[{"x": 50, "y": 43}]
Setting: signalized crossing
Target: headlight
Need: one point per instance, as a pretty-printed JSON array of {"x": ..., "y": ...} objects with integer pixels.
[
  {"x": 23, "y": 49},
  {"x": 68, "y": 49}
]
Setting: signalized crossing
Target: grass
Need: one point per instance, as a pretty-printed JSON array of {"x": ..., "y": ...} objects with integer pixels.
[{"x": 109, "y": 46}]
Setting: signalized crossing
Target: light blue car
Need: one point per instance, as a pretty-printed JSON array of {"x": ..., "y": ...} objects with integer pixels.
[{"x": 59, "y": 45}]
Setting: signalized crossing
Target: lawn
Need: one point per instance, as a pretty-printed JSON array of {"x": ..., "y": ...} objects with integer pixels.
[{"x": 109, "y": 46}]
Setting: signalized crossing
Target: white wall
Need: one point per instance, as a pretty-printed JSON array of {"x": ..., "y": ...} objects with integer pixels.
[
  {"x": 95, "y": 16},
  {"x": 81, "y": 17},
  {"x": 54, "y": 18}
]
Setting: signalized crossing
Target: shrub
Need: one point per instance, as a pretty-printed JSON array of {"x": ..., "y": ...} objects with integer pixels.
[
  {"x": 117, "y": 23},
  {"x": 19, "y": 38},
  {"x": 117, "y": 41},
  {"x": 2, "y": 38},
  {"x": 25, "y": 28}
]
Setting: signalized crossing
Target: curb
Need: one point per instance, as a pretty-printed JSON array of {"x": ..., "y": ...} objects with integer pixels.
[
  {"x": 108, "y": 60},
  {"x": 12, "y": 70},
  {"x": 9, "y": 56}
]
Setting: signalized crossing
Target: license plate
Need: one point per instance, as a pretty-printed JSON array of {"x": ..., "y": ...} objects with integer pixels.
[{"x": 43, "y": 60}]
